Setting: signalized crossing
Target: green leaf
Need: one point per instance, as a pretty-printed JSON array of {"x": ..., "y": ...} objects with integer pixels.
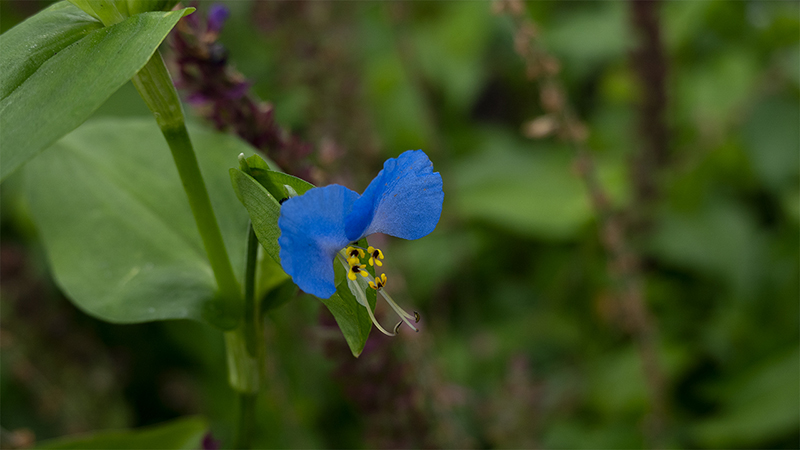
[
  {"x": 63, "y": 47},
  {"x": 121, "y": 239},
  {"x": 185, "y": 433},
  {"x": 528, "y": 188},
  {"x": 757, "y": 406}
]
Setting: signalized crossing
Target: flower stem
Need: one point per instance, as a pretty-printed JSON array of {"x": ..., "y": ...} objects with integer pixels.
[{"x": 155, "y": 86}]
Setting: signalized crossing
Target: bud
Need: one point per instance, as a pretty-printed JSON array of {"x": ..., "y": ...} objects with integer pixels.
[{"x": 539, "y": 127}]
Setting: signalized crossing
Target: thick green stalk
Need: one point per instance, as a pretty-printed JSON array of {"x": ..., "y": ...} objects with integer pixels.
[{"x": 155, "y": 86}]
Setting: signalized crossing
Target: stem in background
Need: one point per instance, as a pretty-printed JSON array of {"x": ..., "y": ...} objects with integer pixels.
[
  {"x": 155, "y": 86},
  {"x": 623, "y": 262}
]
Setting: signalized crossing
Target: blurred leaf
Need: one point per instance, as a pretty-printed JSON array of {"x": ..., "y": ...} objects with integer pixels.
[
  {"x": 772, "y": 135},
  {"x": 681, "y": 21},
  {"x": 710, "y": 93},
  {"x": 396, "y": 106},
  {"x": 758, "y": 406},
  {"x": 530, "y": 188},
  {"x": 450, "y": 50},
  {"x": 121, "y": 239},
  {"x": 590, "y": 36},
  {"x": 35, "y": 108},
  {"x": 185, "y": 433},
  {"x": 720, "y": 239}
]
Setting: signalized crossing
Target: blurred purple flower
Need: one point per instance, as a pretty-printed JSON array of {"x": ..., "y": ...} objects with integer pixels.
[
  {"x": 222, "y": 95},
  {"x": 217, "y": 15}
]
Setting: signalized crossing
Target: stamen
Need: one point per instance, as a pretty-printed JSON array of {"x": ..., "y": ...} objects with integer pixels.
[
  {"x": 377, "y": 325},
  {"x": 357, "y": 268},
  {"x": 397, "y": 327},
  {"x": 403, "y": 315},
  {"x": 379, "y": 282},
  {"x": 375, "y": 255},
  {"x": 354, "y": 252}
]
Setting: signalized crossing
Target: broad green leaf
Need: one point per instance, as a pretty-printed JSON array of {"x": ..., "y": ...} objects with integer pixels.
[
  {"x": 117, "y": 227},
  {"x": 30, "y": 44},
  {"x": 59, "y": 66},
  {"x": 185, "y": 433}
]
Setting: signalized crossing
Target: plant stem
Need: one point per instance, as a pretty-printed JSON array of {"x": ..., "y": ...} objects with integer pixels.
[
  {"x": 247, "y": 412},
  {"x": 252, "y": 312},
  {"x": 246, "y": 350},
  {"x": 155, "y": 86}
]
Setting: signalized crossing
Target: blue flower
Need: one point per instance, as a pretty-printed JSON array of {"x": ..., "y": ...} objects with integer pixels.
[{"x": 404, "y": 200}]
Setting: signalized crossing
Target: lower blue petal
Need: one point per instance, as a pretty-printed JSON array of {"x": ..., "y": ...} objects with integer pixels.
[
  {"x": 404, "y": 200},
  {"x": 312, "y": 231}
]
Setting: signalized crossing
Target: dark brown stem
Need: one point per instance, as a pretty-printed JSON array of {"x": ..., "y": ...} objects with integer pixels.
[
  {"x": 649, "y": 63},
  {"x": 623, "y": 262}
]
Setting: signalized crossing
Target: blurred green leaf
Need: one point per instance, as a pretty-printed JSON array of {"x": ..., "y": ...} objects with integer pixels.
[
  {"x": 710, "y": 93},
  {"x": 772, "y": 135},
  {"x": 530, "y": 188},
  {"x": 589, "y": 37},
  {"x": 720, "y": 239},
  {"x": 121, "y": 239},
  {"x": 757, "y": 406},
  {"x": 185, "y": 433},
  {"x": 61, "y": 46},
  {"x": 450, "y": 50}
]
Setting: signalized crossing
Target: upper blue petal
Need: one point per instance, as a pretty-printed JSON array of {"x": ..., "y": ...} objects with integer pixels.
[
  {"x": 404, "y": 200},
  {"x": 312, "y": 231}
]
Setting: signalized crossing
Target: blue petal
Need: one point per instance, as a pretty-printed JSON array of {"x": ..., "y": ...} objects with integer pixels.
[
  {"x": 312, "y": 231},
  {"x": 404, "y": 200}
]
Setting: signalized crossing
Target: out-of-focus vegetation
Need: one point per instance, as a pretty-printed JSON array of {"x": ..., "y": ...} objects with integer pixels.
[{"x": 525, "y": 340}]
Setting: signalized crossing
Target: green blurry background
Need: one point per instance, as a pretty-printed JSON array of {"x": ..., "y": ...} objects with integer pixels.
[{"x": 521, "y": 343}]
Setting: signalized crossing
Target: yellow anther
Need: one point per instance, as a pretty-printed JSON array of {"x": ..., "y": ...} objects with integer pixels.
[
  {"x": 357, "y": 268},
  {"x": 379, "y": 282},
  {"x": 354, "y": 252},
  {"x": 375, "y": 255}
]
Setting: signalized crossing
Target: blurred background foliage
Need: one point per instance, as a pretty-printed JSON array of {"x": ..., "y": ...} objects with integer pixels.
[{"x": 524, "y": 340}]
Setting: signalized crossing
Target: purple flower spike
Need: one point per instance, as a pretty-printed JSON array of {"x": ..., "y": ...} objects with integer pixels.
[{"x": 217, "y": 15}]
